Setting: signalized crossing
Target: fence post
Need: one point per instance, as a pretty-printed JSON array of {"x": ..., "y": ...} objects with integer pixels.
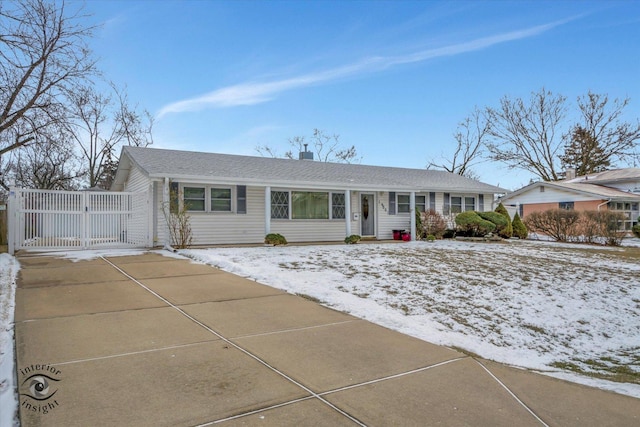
[{"x": 11, "y": 221}]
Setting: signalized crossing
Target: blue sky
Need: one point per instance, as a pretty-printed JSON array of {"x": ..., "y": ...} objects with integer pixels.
[{"x": 393, "y": 78}]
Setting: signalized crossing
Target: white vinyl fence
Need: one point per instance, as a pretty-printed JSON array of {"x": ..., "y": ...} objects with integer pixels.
[{"x": 45, "y": 219}]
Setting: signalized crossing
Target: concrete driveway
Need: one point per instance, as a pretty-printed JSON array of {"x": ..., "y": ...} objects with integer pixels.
[{"x": 151, "y": 340}]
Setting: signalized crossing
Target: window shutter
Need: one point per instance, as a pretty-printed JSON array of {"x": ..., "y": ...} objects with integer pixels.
[
  {"x": 432, "y": 200},
  {"x": 392, "y": 202},
  {"x": 174, "y": 197},
  {"x": 241, "y": 199},
  {"x": 480, "y": 202},
  {"x": 447, "y": 204}
]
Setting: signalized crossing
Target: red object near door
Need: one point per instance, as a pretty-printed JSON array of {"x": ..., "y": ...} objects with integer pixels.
[
  {"x": 397, "y": 234},
  {"x": 406, "y": 237}
]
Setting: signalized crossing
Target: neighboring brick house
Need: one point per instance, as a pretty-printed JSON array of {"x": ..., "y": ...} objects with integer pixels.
[{"x": 616, "y": 190}]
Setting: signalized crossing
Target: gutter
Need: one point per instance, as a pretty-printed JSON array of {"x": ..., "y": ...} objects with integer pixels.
[{"x": 603, "y": 203}]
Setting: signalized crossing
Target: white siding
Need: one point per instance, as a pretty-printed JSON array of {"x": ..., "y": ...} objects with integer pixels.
[
  {"x": 137, "y": 181},
  {"x": 310, "y": 230},
  {"x": 549, "y": 195},
  {"x": 228, "y": 228},
  {"x": 387, "y": 223}
]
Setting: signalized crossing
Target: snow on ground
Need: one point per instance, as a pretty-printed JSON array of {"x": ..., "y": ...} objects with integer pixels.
[
  {"x": 567, "y": 310},
  {"x": 9, "y": 267}
]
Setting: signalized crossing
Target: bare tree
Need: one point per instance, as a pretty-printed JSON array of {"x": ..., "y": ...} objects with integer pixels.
[
  {"x": 92, "y": 131},
  {"x": 51, "y": 165},
  {"x": 43, "y": 57},
  {"x": 326, "y": 147},
  {"x": 527, "y": 134},
  {"x": 470, "y": 137},
  {"x": 613, "y": 138},
  {"x": 99, "y": 125}
]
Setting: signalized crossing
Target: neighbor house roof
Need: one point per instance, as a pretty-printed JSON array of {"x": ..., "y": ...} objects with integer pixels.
[
  {"x": 610, "y": 176},
  {"x": 188, "y": 166},
  {"x": 591, "y": 190}
]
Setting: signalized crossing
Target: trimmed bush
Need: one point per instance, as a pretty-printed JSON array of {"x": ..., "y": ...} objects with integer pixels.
[
  {"x": 473, "y": 225},
  {"x": 519, "y": 229},
  {"x": 275, "y": 239},
  {"x": 507, "y": 231},
  {"x": 498, "y": 219},
  {"x": 353, "y": 239}
]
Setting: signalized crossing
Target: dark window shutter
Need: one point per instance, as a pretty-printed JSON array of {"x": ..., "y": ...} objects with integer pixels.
[
  {"x": 447, "y": 204},
  {"x": 174, "y": 197},
  {"x": 392, "y": 202},
  {"x": 432, "y": 200},
  {"x": 480, "y": 202},
  {"x": 241, "y": 199},
  {"x": 521, "y": 209}
]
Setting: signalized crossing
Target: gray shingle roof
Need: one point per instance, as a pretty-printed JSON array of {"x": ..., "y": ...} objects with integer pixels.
[
  {"x": 615, "y": 175},
  {"x": 203, "y": 167},
  {"x": 593, "y": 190}
]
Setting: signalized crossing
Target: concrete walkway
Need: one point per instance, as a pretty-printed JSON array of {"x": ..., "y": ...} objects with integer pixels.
[{"x": 150, "y": 340}]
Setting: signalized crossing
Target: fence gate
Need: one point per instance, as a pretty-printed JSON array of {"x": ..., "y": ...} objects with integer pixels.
[{"x": 45, "y": 219}]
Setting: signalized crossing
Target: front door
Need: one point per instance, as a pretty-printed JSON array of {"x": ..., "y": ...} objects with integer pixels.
[{"x": 367, "y": 215}]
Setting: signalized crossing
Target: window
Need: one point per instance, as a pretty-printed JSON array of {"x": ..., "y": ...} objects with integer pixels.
[
  {"x": 309, "y": 205},
  {"x": 194, "y": 199},
  {"x": 566, "y": 206},
  {"x": 221, "y": 199},
  {"x": 280, "y": 204},
  {"x": 460, "y": 204},
  {"x": 338, "y": 208},
  {"x": 421, "y": 203},
  {"x": 456, "y": 204},
  {"x": 469, "y": 203},
  {"x": 403, "y": 203}
]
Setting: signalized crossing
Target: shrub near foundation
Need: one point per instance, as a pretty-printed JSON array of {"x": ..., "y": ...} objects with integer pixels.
[
  {"x": 499, "y": 220},
  {"x": 507, "y": 231},
  {"x": 275, "y": 239},
  {"x": 471, "y": 224},
  {"x": 431, "y": 223},
  {"x": 519, "y": 229},
  {"x": 557, "y": 223}
]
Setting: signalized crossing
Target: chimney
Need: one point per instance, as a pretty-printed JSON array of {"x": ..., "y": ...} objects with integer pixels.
[
  {"x": 570, "y": 173},
  {"x": 305, "y": 155}
]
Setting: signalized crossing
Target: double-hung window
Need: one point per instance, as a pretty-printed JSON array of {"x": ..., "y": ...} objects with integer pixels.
[
  {"x": 404, "y": 203},
  {"x": 194, "y": 199},
  {"x": 220, "y": 199},
  {"x": 462, "y": 204},
  {"x": 207, "y": 199}
]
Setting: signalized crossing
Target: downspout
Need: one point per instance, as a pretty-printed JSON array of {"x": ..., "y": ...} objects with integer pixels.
[{"x": 603, "y": 203}]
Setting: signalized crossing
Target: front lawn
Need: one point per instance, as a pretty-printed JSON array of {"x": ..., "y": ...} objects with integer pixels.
[{"x": 545, "y": 306}]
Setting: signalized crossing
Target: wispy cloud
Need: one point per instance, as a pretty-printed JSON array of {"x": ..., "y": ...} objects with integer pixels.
[{"x": 252, "y": 93}]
